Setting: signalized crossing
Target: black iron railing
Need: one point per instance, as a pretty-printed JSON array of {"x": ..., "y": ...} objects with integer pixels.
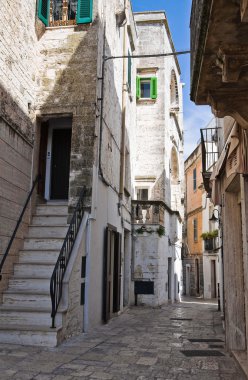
[
  {"x": 209, "y": 145},
  {"x": 56, "y": 283},
  {"x": 17, "y": 225}
]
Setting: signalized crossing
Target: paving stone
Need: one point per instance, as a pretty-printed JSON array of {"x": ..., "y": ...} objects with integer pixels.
[
  {"x": 141, "y": 344},
  {"x": 147, "y": 361}
]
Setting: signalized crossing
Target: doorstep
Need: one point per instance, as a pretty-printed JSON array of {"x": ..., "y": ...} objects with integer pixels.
[{"x": 242, "y": 359}]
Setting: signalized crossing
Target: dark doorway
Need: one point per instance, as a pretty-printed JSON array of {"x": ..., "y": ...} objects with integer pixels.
[
  {"x": 60, "y": 169},
  {"x": 197, "y": 272},
  {"x": 213, "y": 279}
]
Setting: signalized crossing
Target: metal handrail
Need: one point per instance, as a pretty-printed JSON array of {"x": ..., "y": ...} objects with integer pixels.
[
  {"x": 56, "y": 283},
  {"x": 17, "y": 225}
]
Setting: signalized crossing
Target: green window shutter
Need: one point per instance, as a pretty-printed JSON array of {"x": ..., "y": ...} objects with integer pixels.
[
  {"x": 44, "y": 11},
  {"x": 84, "y": 11},
  {"x": 129, "y": 71},
  {"x": 138, "y": 87},
  {"x": 154, "y": 88}
]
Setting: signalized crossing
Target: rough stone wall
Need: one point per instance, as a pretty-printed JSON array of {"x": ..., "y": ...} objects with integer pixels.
[
  {"x": 18, "y": 67},
  {"x": 67, "y": 85}
]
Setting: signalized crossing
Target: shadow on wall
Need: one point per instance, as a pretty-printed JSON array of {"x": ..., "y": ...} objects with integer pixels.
[
  {"x": 16, "y": 148},
  {"x": 69, "y": 86},
  {"x": 161, "y": 190}
]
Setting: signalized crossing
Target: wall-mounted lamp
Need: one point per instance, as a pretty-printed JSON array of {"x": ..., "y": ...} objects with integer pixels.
[{"x": 215, "y": 218}]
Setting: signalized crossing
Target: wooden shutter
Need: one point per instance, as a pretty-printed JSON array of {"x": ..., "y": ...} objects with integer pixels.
[
  {"x": 138, "y": 87},
  {"x": 117, "y": 274},
  {"x": 84, "y": 11},
  {"x": 44, "y": 11},
  {"x": 107, "y": 276},
  {"x": 154, "y": 88}
]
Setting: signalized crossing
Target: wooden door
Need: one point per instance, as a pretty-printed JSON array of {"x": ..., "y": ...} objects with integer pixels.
[
  {"x": 213, "y": 279},
  {"x": 61, "y": 149},
  {"x": 117, "y": 273},
  {"x": 107, "y": 275},
  {"x": 169, "y": 278}
]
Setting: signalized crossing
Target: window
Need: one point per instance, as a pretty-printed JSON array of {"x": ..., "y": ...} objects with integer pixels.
[
  {"x": 195, "y": 230},
  {"x": 194, "y": 179},
  {"x": 146, "y": 88},
  {"x": 65, "y": 12},
  {"x": 142, "y": 194},
  {"x": 174, "y": 99},
  {"x": 129, "y": 72}
]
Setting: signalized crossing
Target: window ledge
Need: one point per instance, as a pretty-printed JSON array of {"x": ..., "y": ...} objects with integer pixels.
[
  {"x": 146, "y": 101},
  {"x": 60, "y": 27}
]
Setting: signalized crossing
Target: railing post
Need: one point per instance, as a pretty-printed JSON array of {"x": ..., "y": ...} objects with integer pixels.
[{"x": 56, "y": 282}]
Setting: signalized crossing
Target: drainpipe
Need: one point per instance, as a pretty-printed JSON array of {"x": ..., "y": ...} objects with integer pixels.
[{"x": 123, "y": 124}]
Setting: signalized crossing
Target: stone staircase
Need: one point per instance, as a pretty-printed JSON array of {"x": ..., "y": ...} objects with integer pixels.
[{"x": 26, "y": 308}]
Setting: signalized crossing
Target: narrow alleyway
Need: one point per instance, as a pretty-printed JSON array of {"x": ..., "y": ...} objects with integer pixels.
[{"x": 141, "y": 344}]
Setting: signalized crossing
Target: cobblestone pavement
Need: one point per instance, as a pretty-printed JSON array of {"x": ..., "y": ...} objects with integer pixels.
[{"x": 141, "y": 344}]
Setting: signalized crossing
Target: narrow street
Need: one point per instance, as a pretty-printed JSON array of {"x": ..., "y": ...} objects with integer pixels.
[{"x": 141, "y": 344}]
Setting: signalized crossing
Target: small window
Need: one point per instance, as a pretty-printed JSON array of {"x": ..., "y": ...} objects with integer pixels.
[
  {"x": 146, "y": 88},
  {"x": 142, "y": 194},
  {"x": 195, "y": 230},
  {"x": 65, "y": 12},
  {"x": 194, "y": 179}
]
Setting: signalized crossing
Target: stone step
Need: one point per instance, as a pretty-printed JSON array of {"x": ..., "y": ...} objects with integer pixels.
[
  {"x": 47, "y": 231},
  {"x": 43, "y": 243},
  {"x": 48, "y": 257},
  {"x": 30, "y": 284},
  {"x": 13, "y": 315},
  {"x": 49, "y": 220},
  {"x": 32, "y": 270},
  {"x": 27, "y": 299},
  {"x": 51, "y": 210},
  {"x": 31, "y": 335}
]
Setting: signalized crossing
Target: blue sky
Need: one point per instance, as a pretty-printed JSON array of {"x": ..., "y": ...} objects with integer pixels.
[{"x": 178, "y": 15}]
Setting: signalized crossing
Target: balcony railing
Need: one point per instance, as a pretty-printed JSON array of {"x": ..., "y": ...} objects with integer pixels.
[
  {"x": 148, "y": 212},
  {"x": 210, "y": 244},
  {"x": 209, "y": 145},
  {"x": 63, "y": 12}
]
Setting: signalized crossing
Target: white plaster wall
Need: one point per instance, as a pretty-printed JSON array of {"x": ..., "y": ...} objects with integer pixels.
[
  {"x": 107, "y": 206},
  {"x": 156, "y": 132}
]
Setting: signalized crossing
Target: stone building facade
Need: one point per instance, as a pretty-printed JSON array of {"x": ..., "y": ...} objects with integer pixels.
[
  {"x": 219, "y": 79},
  {"x": 193, "y": 250},
  {"x": 158, "y": 182},
  {"x": 68, "y": 122},
  {"x": 62, "y": 116}
]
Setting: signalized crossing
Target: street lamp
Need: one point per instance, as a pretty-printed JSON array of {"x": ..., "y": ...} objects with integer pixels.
[{"x": 214, "y": 218}]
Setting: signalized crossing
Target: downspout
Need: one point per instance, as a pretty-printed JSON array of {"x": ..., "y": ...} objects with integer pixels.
[{"x": 123, "y": 119}]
